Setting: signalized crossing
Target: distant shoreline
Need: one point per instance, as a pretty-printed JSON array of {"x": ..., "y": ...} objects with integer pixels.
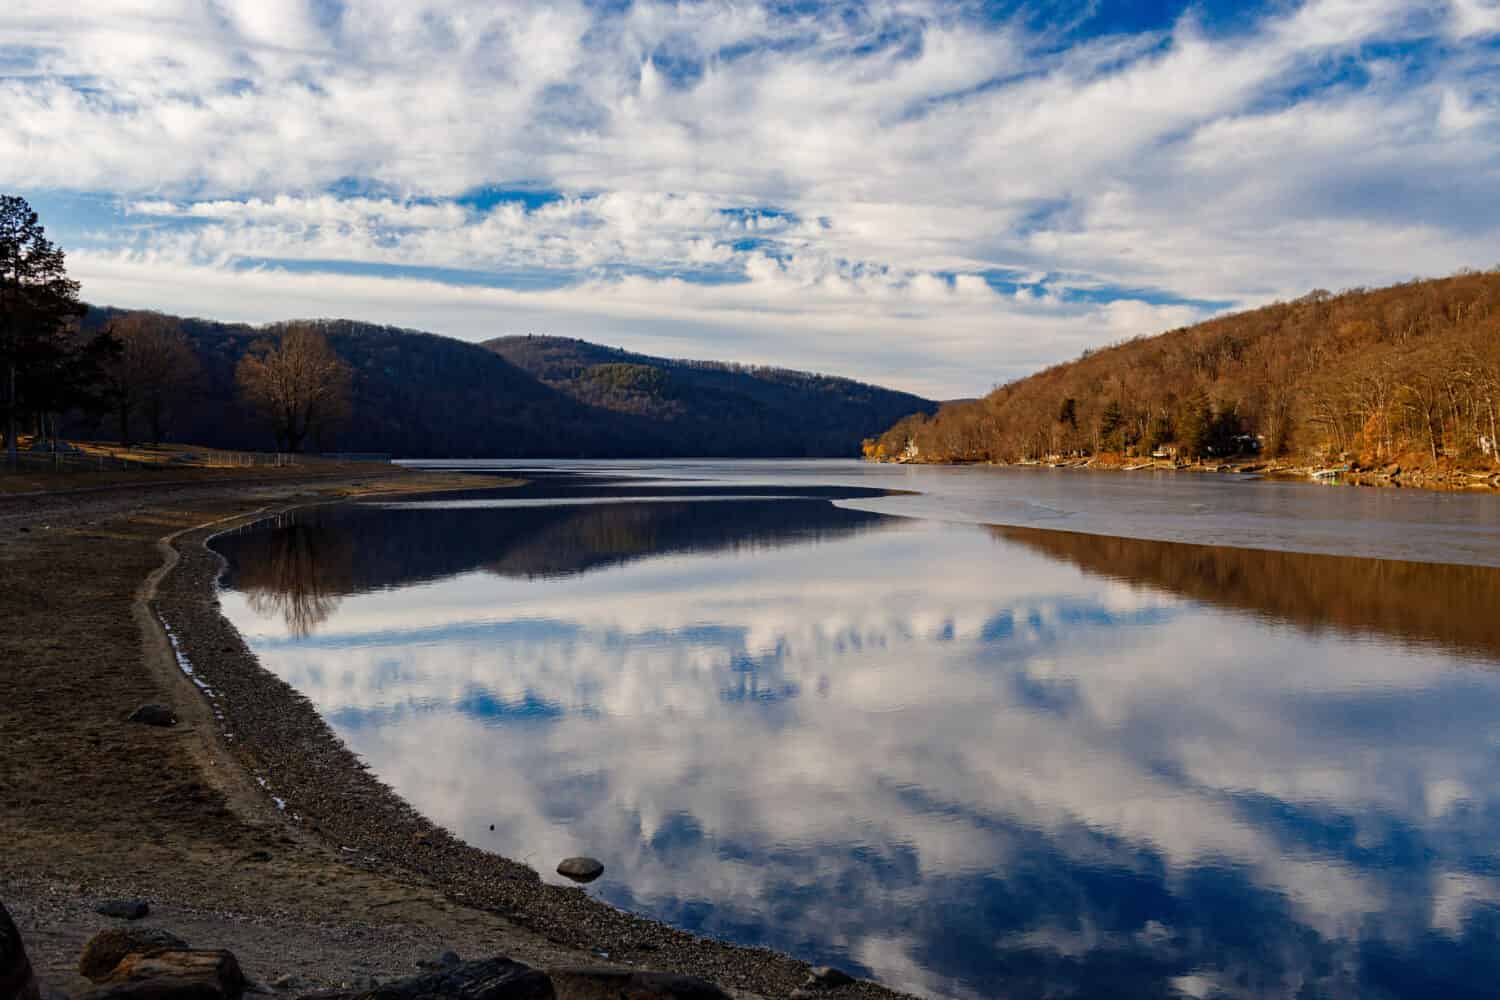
[{"x": 1391, "y": 476}]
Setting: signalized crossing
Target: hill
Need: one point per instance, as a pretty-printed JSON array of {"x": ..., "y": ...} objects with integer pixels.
[
  {"x": 413, "y": 393},
  {"x": 422, "y": 395},
  {"x": 1407, "y": 375},
  {"x": 709, "y": 407}
]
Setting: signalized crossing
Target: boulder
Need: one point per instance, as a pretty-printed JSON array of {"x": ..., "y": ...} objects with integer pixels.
[
  {"x": 124, "y": 909},
  {"x": 105, "y": 950},
  {"x": 487, "y": 979},
  {"x": 181, "y": 974},
  {"x": 16, "y": 977},
  {"x": 153, "y": 715},
  {"x": 623, "y": 984},
  {"x": 581, "y": 869}
]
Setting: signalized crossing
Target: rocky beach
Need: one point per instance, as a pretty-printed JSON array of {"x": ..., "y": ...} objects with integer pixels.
[{"x": 230, "y": 809}]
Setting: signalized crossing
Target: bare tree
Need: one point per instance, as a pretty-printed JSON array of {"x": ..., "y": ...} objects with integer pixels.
[
  {"x": 296, "y": 382},
  {"x": 155, "y": 368}
]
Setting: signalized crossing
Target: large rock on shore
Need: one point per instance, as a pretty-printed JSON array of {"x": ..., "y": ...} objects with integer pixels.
[
  {"x": 182, "y": 974},
  {"x": 581, "y": 869},
  {"x": 108, "y": 948},
  {"x": 16, "y": 978},
  {"x": 153, "y": 715},
  {"x": 623, "y": 984},
  {"x": 487, "y": 979}
]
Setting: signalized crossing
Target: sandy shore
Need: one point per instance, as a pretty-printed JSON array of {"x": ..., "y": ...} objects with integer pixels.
[{"x": 247, "y": 826}]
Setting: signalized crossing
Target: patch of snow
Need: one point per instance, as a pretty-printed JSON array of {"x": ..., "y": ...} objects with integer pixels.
[{"x": 183, "y": 662}]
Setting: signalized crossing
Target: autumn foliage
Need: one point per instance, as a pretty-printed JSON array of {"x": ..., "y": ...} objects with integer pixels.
[{"x": 1405, "y": 374}]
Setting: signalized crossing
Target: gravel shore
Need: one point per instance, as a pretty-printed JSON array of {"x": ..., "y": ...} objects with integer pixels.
[{"x": 249, "y": 825}]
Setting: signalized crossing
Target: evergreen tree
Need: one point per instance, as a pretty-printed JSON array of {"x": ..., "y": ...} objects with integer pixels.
[
  {"x": 39, "y": 367},
  {"x": 1194, "y": 426},
  {"x": 1111, "y": 423}
]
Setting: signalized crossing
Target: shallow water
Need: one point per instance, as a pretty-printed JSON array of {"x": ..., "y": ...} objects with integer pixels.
[
  {"x": 966, "y": 760},
  {"x": 1222, "y": 509}
]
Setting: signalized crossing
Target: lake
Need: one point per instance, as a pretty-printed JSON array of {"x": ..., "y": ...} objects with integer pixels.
[{"x": 927, "y": 737}]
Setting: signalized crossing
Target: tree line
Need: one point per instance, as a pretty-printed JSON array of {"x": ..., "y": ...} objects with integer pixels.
[
  {"x": 321, "y": 384},
  {"x": 1408, "y": 374},
  {"x": 136, "y": 366}
]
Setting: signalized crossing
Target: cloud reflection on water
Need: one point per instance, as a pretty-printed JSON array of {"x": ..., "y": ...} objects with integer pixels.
[{"x": 949, "y": 756}]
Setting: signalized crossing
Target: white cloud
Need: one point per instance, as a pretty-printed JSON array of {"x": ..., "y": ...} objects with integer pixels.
[{"x": 913, "y": 140}]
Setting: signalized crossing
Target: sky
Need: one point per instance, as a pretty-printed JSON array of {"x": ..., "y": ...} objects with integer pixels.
[{"x": 936, "y": 196}]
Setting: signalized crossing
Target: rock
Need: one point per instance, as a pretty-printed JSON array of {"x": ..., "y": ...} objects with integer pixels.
[
  {"x": 153, "y": 715},
  {"x": 16, "y": 977},
  {"x": 623, "y": 984},
  {"x": 286, "y": 982},
  {"x": 124, "y": 909},
  {"x": 105, "y": 949},
  {"x": 581, "y": 869},
  {"x": 488, "y": 979},
  {"x": 826, "y": 977},
  {"x": 182, "y": 974}
]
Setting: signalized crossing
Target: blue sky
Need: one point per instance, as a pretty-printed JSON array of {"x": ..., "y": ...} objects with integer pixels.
[{"x": 934, "y": 195}]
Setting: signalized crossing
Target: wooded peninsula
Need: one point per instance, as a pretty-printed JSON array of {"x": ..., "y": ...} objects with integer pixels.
[{"x": 1386, "y": 382}]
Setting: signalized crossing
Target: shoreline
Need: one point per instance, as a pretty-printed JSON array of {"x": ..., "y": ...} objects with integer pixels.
[
  {"x": 1391, "y": 476},
  {"x": 268, "y": 760}
]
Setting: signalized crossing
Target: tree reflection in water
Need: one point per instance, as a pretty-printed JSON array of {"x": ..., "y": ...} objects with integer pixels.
[
  {"x": 300, "y": 571},
  {"x": 1450, "y": 606}
]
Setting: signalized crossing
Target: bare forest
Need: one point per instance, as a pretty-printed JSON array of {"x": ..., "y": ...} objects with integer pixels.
[{"x": 1402, "y": 376}]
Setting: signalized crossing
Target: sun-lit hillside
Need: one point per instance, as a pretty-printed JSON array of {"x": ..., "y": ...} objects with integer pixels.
[{"x": 1407, "y": 374}]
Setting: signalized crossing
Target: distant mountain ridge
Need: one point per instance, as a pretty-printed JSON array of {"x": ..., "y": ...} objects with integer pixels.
[
  {"x": 423, "y": 395},
  {"x": 699, "y": 407}
]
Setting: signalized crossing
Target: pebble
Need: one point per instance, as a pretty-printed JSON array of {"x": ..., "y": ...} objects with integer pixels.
[{"x": 827, "y": 977}]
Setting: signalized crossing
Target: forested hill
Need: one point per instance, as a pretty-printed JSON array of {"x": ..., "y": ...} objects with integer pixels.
[
  {"x": 712, "y": 408},
  {"x": 1407, "y": 375},
  {"x": 423, "y": 395}
]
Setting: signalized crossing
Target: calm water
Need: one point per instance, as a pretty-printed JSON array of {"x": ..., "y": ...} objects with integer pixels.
[{"x": 966, "y": 760}]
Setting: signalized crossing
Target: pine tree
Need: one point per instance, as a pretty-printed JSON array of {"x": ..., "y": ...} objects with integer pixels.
[{"x": 38, "y": 302}]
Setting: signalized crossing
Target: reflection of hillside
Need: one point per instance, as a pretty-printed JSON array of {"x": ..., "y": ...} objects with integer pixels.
[
  {"x": 591, "y": 537},
  {"x": 312, "y": 556},
  {"x": 299, "y": 572},
  {"x": 1454, "y": 606}
]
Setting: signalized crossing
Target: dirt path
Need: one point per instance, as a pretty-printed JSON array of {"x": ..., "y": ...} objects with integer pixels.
[{"x": 95, "y": 808}]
